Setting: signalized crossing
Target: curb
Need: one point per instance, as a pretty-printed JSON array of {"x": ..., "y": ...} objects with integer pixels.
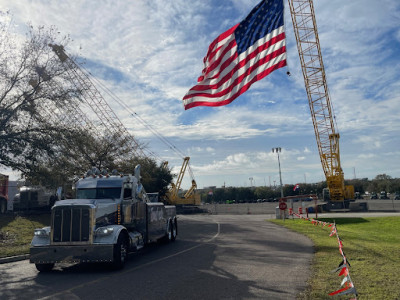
[{"x": 4, "y": 260}]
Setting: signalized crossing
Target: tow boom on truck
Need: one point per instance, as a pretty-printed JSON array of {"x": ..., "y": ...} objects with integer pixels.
[{"x": 110, "y": 216}]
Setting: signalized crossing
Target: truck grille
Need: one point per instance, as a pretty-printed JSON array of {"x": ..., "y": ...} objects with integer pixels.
[{"x": 71, "y": 224}]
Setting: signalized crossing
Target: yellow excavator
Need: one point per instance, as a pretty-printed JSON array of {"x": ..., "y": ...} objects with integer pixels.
[{"x": 174, "y": 197}]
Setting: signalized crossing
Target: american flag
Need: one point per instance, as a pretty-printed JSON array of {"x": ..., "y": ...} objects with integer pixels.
[{"x": 240, "y": 56}]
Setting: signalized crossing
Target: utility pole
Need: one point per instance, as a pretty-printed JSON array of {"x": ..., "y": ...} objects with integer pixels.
[
  {"x": 278, "y": 150},
  {"x": 251, "y": 181}
]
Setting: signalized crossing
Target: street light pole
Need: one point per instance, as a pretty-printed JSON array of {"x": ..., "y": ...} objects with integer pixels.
[{"x": 277, "y": 150}]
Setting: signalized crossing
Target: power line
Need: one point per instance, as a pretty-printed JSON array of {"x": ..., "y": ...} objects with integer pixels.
[{"x": 161, "y": 137}]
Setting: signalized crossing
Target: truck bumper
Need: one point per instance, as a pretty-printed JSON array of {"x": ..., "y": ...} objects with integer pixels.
[{"x": 78, "y": 253}]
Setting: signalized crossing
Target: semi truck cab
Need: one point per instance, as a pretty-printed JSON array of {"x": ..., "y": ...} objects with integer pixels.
[{"x": 110, "y": 216}]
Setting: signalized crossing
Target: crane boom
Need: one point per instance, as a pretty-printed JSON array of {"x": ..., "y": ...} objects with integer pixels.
[
  {"x": 180, "y": 177},
  {"x": 190, "y": 197},
  {"x": 69, "y": 115},
  {"x": 305, "y": 29},
  {"x": 96, "y": 102}
]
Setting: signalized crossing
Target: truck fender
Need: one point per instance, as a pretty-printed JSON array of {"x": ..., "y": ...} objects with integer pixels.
[
  {"x": 120, "y": 230},
  {"x": 112, "y": 238}
]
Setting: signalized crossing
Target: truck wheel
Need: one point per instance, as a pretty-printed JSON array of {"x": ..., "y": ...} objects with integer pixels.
[
  {"x": 174, "y": 231},
  {"x": 3, "y": 206},
  {"x": 168, "y": 236},
  {"x": 120, "y": 252},
  {"x": 44, "y": 267}
]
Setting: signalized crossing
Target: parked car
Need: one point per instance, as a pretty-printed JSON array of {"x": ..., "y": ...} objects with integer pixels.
[
  {"x": 357, "y": 195},
  {"x": 383, "y": 195}
]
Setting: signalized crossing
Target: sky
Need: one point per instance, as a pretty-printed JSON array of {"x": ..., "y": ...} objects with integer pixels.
[{"x": 150, "y": 53}]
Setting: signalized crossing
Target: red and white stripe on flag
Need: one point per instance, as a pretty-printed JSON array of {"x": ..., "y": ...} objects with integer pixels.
[{"x": 229, "y": 71}]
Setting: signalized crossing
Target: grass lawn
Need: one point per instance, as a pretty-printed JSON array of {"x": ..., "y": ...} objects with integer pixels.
[
  {"x": 16, "y": 232},
  {"x": 371, "y": 245}
]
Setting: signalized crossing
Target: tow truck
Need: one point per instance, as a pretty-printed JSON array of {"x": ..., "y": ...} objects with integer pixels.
[{"x": 111, "y": 216}]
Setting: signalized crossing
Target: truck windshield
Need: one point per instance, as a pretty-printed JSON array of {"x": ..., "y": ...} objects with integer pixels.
[{"x": 98, "y": 193}]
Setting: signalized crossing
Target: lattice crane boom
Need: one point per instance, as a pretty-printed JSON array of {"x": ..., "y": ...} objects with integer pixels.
[
  {"x": 95, "y": 101},
  {"x": 327, "y": 137}
]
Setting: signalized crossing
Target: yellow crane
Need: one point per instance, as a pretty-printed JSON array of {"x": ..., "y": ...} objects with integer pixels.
[
  {"x": 305, "y": 29},
  {"x": 190, "y": 197}
]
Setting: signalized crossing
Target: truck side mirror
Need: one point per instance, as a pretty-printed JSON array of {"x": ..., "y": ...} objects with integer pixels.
[{"x": 137, "y": 173}]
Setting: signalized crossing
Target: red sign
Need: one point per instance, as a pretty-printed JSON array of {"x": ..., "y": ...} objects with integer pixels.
[{"x": 282, "y": 205}]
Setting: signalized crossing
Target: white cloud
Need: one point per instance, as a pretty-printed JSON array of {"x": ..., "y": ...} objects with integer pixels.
[
  {"x": 157, "y": 47},
  {"x": 366, "y": 156},
  {"x": 369, "y": 142},
  {"x": 200, "y": 149}
]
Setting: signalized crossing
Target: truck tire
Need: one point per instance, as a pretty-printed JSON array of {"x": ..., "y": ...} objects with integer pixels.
[
  {"x": 44, "y": 267},
  {"x": 120, "y": 252},
  {"x": 168, "y": 235},
  {"x": 3, "y": 206},
  {"x": 174, "y": 231}
]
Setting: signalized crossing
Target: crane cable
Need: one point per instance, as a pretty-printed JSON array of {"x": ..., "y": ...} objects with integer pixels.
[
  {"x": 90, "y": 78},
  {"x": 162, "y": 138}
]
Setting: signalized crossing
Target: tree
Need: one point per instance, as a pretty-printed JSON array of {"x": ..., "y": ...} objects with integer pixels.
[
  {"x": 263, "y": 192},
  {"x": 37, "y": 96},
  {"x": 155, "y": 178},
  {"x": 382, "y": 182},
  {"x": 33, "y": 83},
  {"x": 76, "y": 152},
  {"x": 383, "y": 177},
  {"x": 79, "y": 151}
]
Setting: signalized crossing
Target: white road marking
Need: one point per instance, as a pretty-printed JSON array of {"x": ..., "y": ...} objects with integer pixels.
[{"x": 138, "y": 267}]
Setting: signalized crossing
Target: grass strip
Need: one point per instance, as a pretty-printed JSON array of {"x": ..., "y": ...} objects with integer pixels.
[
  {"x": 372, "y": 245},
  {"x": 16, "y": 232}
]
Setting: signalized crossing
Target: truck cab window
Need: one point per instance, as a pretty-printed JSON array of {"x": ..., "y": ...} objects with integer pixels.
[
  {"x": 86, "y": 194},
  {"x": 99, "y": 193}
]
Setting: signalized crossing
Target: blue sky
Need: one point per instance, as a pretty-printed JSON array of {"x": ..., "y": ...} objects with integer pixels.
[{"x": 149, "y": 53}]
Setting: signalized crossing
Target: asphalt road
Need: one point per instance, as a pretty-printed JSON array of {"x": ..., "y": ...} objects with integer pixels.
[{"x": 214, "y": 257}]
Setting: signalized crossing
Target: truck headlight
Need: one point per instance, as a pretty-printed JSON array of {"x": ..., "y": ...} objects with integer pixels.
[
  {"x": 103, "y": 231},
  {"x": 41, "y": 233}
]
